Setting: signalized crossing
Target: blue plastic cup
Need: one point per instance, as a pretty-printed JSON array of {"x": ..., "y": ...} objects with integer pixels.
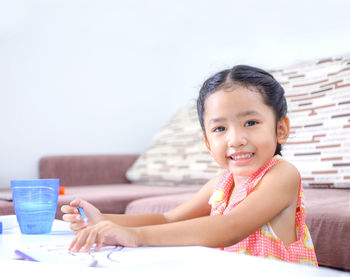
[{"x": 35, "y": 203}]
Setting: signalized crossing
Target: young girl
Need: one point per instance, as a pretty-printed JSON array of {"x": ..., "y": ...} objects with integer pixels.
[{"x": 255, "y": 207}]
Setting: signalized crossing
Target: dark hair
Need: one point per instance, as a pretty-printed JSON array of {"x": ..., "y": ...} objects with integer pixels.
[{"x": 264, "y": 82}]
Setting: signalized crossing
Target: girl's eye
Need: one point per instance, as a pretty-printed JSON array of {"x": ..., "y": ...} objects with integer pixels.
[
  {"x": 219, "y": 129},
  {"x": 250, "y": 123}
]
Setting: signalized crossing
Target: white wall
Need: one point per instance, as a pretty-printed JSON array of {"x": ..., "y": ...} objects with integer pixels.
[{"x": 85, "y": 77}]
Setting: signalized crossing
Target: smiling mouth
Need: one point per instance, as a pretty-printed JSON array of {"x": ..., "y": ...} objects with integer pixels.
[{"x": 240, "y": 157}]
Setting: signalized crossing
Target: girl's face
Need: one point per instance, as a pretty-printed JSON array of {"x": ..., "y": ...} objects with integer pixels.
[{"x": 240, "y": 129}]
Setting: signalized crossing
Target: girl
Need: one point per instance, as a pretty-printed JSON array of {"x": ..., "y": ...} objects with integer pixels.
[{"x": 256, "y": 207}]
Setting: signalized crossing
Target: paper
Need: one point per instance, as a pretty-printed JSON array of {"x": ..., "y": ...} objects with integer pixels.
[
  {"x": 54, "y": 253},
  {"x": 10, "y": 223},
  {"x": 108, "y": 256},
  {"x": 53, "y": 248}
]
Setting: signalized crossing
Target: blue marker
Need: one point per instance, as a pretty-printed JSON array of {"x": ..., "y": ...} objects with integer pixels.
[
  {"x": 24, "y": 256},
  {"x": 81, "y": 211}
]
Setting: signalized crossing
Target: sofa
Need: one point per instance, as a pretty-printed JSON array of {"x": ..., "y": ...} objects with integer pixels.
[{"x": 100, "y": 179}]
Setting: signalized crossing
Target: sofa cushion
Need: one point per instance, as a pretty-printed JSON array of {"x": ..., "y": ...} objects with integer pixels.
[
  {"x": 6, "y": 207},
  {"x": 318, "y": 96},
  {"x": 176, "y": 155},
  {"x": 328, "y": 219},
  {"x": 157, "y": 204},
  {"x": 83, "y": 170}
]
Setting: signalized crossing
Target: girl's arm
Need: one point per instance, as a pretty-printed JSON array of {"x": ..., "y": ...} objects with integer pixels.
[
  {"x": 277, "y": 191},
  {"x": 195, "y": 207}
]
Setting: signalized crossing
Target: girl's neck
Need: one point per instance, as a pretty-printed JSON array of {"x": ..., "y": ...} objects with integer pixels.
[{"x": 239, "y": 181}]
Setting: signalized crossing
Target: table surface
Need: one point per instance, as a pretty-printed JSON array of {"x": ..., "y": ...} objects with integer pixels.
[{"x": 155, "y": 261}]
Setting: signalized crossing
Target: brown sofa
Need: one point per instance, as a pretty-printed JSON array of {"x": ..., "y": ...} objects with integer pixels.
[{"x": 100, "y": 179}]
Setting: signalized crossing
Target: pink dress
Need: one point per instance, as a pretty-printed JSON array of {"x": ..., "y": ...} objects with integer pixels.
[{"x": 264, "y": 242}]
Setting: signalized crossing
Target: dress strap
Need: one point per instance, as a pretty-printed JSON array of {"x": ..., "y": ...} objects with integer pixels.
[
  {"x": 254, "y": 180},
  {"x": 219, "y": 199}
]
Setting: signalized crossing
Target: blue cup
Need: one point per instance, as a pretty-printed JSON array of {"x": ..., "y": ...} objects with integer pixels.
[{"x": 35, "y": 203}]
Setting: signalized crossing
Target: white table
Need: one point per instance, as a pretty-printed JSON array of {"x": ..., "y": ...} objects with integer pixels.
[{"x": 149, "y": 261}]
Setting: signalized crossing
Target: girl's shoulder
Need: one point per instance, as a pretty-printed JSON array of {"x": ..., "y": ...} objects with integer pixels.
[
  {"x": 286, "y": 167},
  {"x": 283, "y": 172}
]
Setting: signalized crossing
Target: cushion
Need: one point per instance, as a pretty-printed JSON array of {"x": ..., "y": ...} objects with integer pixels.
[
  {"x": 157, "y": 204},
  {"x": 328, "y": 219},
  {"x": 176, "y": 155},
  {"x": 318, "y": 96},
  {"x": 6, "y": 207},
  {"x": 84, "y": 170}
]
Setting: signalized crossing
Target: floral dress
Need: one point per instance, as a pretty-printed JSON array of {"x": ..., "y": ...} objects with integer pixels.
[{"x": 264, "y": 242}]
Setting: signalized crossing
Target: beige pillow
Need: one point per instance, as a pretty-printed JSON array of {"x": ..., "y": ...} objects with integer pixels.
[
  {"x": 318, "y": 95},
  {"x": 177, "y": 154}
]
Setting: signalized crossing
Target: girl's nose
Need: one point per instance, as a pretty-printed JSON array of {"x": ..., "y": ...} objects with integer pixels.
[{"x": 236, "y": 138}]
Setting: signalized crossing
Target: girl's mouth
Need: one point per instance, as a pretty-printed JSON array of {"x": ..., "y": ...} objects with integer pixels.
[{"x": 241, "y": 157}]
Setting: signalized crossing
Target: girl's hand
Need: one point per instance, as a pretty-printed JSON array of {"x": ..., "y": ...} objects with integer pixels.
[
  {"x": 104, "y": 232},
  {"x": 73, "y": 216}
]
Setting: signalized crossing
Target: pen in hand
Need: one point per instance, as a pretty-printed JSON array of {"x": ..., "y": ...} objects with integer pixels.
[{"x": 82, "y": 213}]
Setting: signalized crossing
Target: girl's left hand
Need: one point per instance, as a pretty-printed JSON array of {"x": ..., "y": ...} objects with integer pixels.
[{"x": 104, "y": 232}]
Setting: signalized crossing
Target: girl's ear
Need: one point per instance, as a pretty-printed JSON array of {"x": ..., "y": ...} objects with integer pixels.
[
  {"x": 283, "y": 130},
  {"x": 206, "y": 141}
]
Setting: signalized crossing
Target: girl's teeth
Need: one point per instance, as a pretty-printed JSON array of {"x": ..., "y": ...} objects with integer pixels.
[{"x": 245, "y": 156}]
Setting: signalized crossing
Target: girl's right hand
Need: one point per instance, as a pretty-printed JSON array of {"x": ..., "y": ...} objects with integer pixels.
[{"x": 72, "y": 215}]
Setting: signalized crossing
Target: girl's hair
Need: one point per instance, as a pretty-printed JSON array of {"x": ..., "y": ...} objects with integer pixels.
[{"x": 264, "y": 82}]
